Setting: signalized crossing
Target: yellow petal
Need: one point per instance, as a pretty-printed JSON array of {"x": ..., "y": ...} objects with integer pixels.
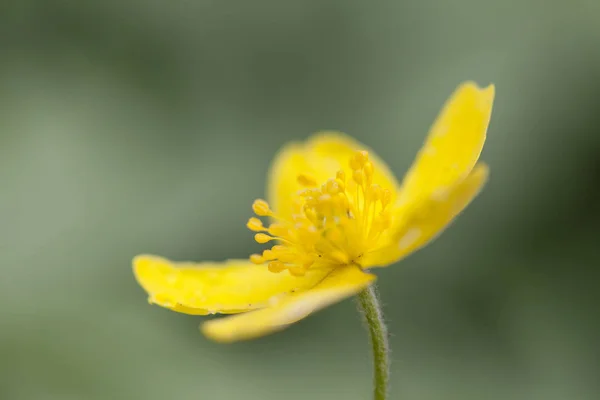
[
  {"x": 453, "y": 144},
  {"x": 318, "y": 158},
  {"x": 208, "y": 288},
  {"x": 341, "y": 283},
  {"x": 428, "y": 219}
]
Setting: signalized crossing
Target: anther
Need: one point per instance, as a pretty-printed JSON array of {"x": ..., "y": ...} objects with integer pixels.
[
  {"x": 261, "y": 208},
  {"x": 358, "y": 176},
  {"x": 257, "y": 259},
  {"x": 262, "y": 238},
  {"x": 278, "y": 248},
  {"x": 276, "y": 266},
  {"x": 255, "y": 224}
]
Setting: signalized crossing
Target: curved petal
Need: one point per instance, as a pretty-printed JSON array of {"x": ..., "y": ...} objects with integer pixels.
[
  {"x": 453, "y": 145},
  {"x": 428, "y": 219},
  {"x": 341, "y": 283},
  {"x": 207, "y": 288},
  {"x": 320, "y": 158}
]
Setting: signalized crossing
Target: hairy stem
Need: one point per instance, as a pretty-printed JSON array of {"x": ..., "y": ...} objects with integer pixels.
[{"x": 370, "y": 308}]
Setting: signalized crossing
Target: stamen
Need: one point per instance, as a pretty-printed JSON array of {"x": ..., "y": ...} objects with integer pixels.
[
  {"x": 276, "y": 266},
  {"x": 359, "y": 176},
  {"x": 261, "y": 208},
  {"x": 255, "y": 224},
  {"x": 334, "y": 223},
  {"x": 263, "y": 238}
]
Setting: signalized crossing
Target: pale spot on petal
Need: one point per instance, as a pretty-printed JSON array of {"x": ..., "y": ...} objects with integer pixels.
[
  {"x": 409, "y": 238},
  {"x": 440, "y": 194},
  {"x": 442, "y": 131},
  {"x": 274, "y": 300},
  {"x": 297, "y": 311},
  {"x": 199, "y": 296},
  {"x": 430, "y": 151}
]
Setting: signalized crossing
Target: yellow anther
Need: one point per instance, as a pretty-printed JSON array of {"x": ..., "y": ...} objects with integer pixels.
[
  {"x": 262, "y": 238},
  {"x": 261, "y": 208},
  {"x": 358, "y": 176},
  {"x": 338, "y": 186},
  {"x": 311, "y": 214},
  {"x": 276, "y": 266},
  {"x": 268, "y": 255},
  {"x": 257, "y": 259},
  {"x": 278, "y": 248},
  {"x": 306, "y": 180},
  {"x": 359, "y": 159},
  {"x": 255, "y": 224}
]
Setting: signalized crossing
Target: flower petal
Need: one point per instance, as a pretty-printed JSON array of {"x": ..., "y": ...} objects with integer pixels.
[
  {"x": 341, "y": 283},
  {"x": 453, "y": 144},
  {"x": 207, "y": 288},
  {"x": 428, "y": 219},
  {"x": 320, "y": 158}
]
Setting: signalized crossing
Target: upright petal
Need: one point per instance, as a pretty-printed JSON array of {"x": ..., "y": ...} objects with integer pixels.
[
  {"x": 208, "y": 288},
  {"x": 421, "y": 224},
  {"x": 453, "y": 145},
  {"x": 341, "y": 283},
  {"x": 319, "y": 158}
]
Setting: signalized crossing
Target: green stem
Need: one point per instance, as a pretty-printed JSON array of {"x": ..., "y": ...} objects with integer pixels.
[{"x": 371, "y": 309}]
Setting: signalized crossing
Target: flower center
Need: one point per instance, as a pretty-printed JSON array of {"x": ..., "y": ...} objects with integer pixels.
[{"x": 332, "y": 224}]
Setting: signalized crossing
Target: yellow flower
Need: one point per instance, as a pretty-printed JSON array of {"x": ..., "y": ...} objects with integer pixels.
[{"x": 334, "y": 211}]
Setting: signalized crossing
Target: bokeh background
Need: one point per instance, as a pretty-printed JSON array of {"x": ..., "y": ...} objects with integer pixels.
[{"x": 136, "y": 126}]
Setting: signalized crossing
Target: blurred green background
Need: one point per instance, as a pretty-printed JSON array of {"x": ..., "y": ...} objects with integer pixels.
[{"x": 138, "y": 126}]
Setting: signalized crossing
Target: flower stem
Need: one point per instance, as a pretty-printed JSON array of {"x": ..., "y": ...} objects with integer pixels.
[{"x": 370, "y": 308}]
